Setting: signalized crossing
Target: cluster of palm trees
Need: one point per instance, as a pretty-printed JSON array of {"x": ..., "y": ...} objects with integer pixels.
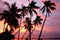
[{"x": 11, "y": 18}]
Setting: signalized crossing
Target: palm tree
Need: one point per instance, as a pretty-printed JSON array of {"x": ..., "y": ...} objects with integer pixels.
[
  {"x": 11, "y": 16},
  {"x": 31, "y": 9},
  {"x": 36, "y": 22},
  {"x": 48, "y": 6},
  {"x": 28, "y": 26},
  {"x": 24, "y": 11}
]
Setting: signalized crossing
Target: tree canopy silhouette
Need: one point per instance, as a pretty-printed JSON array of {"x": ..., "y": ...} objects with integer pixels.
[
  {"x": 11, "y": 16},
  {"x": 48, "y": 6},
  {"x": 32, "y": 7},
  {"x": 37, "y": 21}
]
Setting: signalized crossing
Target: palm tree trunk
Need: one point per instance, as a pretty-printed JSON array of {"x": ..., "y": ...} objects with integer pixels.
[
  {"x": 19, "y": 34},
  {"x": 23, "y": 35},
  {"x": 31, "y": 33},
  {"x": 30, "y": 30},
  {"x": 19, "y": 30},
  {"x": 42, "y": 27}
]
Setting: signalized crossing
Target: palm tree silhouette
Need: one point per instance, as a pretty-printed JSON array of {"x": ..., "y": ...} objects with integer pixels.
[
  {"x": 31, "y": 9},
  {"x": 6, "y": 35},
  {"x": 36, "y": 22},
  {"x": 24, "y": 10},
  {"x": 23, "y": 13},
  {"x": 48, "y": 6},
  {"x": 11, "y": 16},
  {"x": 28, "y": 25}
]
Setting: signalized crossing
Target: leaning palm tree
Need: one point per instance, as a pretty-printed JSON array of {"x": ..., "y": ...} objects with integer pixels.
[
  {"x": 31, "y": 9},
  {"x": 37, "y": 20},
  {"x": 23, "y": 12},
  {"x": 35, "y": 23},
  {"x": 48, "y": 6},
  {"x": 28, "y": 26}
]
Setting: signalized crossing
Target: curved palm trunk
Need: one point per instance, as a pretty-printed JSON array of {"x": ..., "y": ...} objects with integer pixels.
[
  {"x": 30, "y": 25},
  {"x": 28, "y": 35},
  {"x": 23, "y": 35},
  {"x": 19, "y": 30},
  {"x": 31, "y": 32},
  {"x": 42, "y": 27},
  {"x": 18, "y": 34}
]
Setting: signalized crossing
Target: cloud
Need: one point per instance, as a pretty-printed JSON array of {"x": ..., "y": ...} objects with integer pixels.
[{"x": 2, "y": 6}]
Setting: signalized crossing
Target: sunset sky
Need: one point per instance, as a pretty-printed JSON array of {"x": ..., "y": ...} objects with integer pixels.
[{"x": 52, "y": 25}]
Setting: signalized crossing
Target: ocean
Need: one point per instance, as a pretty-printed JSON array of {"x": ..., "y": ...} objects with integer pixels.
[{"x": 41, "y": 39}]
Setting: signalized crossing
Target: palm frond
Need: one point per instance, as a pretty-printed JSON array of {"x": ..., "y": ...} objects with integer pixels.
[
  {"x": 34, "y": 11},
  {"x": 52, "y": 8},
  {"x": 52, "y": 4},
  {"x": 37, "y": 20},
  {"x": 7, "y": 4},
  {"x": 42, "y": 8},
  {"x": 30, "y": 11}
]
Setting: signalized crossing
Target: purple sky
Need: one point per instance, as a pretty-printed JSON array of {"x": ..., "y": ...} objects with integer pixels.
[{"x": 52, "y": 26}]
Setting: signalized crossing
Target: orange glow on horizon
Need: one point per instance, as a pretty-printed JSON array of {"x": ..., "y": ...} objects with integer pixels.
[
  {"x": 23, "y": 30},
  {"x": 1, "y": 26}
]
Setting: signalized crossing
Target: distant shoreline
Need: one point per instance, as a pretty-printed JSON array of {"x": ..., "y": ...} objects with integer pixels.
[{"x": 37, "y": 38}]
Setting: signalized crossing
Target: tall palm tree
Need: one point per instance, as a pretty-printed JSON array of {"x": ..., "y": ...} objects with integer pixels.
[
  {"x": 48, "y": 6},
  {"x": 36, "y": 22},
  {"x": 31, "y": 9},
  {"x": 28, "y": 26},
  {"x": 24, "y": 11}
]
